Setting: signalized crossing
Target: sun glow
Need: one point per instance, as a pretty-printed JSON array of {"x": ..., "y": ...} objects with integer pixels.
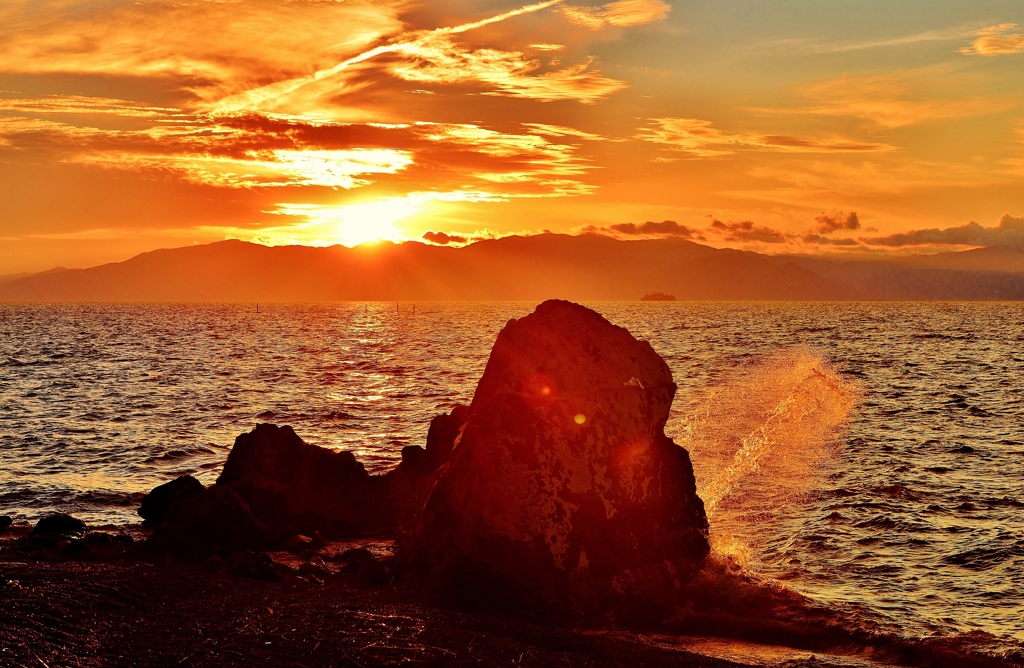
[{"x": 354, "y": 224}]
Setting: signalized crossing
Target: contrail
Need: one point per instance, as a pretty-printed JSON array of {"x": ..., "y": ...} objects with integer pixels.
[{"x": 255, "y": 97}]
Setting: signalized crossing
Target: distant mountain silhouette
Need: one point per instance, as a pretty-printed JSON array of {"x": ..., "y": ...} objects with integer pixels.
[{"x": 532, "y": 268}]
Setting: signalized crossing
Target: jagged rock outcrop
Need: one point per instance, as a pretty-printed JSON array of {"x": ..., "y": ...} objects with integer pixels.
[
  {"x": 285, "y": 480},
  {"x": 275, "y": 485},
  {"x": 563, "y": 498}
]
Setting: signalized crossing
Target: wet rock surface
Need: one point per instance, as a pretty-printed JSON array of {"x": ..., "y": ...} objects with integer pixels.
[{"x": 563, "y": 498}]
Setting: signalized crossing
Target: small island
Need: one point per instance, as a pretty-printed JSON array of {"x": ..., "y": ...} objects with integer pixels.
[{"x": 658, "y": 297}]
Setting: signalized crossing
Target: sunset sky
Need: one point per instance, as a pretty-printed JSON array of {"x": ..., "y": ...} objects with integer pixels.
[{"x": 807, "y": 126}]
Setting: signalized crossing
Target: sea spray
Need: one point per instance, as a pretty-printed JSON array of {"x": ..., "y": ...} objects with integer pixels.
[{"x": 761, "y": 437}]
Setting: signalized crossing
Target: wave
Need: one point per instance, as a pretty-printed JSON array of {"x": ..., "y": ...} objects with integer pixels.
[
  {"x": 727, "y": 601},
  {"x": 761, "y": 436}
]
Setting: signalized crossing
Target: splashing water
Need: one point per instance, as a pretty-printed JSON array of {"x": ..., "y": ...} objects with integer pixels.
[{"x": 761, "y": 437}]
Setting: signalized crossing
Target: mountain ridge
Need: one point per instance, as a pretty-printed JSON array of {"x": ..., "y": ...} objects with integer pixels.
[{"x": 583, "y": 267}]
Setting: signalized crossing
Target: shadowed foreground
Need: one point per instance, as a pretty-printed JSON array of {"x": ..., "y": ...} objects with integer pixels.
[{"x": 128, "y": 613}]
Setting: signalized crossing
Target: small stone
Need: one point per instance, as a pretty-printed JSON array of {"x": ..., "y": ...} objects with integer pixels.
[
  {"x": 156, "y": 506},
  {"x": 98, "y": 539},
  {"x": 77, "y": 550},
  {"x": 315, "y": 567},
  {"x": 267, "y": 569},
  {"x": 5, "y": 521},
  {"x": 296, "y": 581},
  {"x": 242, "y": 564},
  {"x": 59, "y": 524},
  {"x": 283, "y": 570},
  {"x": 357, "y": 554},
  {"x": 214, "y": 564},
  {"x": 299, "y": 543}
]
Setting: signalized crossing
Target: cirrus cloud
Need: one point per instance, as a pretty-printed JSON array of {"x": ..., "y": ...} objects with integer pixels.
[
  {"x": 622, "y": 13},
  {"x": 994, "y": 41},
  {"x": 701, "y": 139}
]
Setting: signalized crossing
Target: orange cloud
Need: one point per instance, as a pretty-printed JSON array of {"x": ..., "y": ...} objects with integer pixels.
[
  {"x": 252, "y": 40},
  {"x": 622, "y": 13},
  {"x": 435, "y": 57},
  {"x": 253, "y": 150},
  {"x": 993, "y": 41},
  {"x": 836, "y": 220},
  {"x": 443, "y": 239},
  {"x": 561, "y": 131},
  {"x": 666, "y": 228},
  {"x": 81, "y": 104},
  {"x": 700, "y": 138}
]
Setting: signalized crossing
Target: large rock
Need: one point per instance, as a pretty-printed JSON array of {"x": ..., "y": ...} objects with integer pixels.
[
  {"x": 157, "y": 505},
  {"x": 563, "y": 498},
  {"x": 286, "y": 481}
]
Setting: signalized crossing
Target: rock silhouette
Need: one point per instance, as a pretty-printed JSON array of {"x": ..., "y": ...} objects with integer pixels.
[
  {"x": 285, "y": 480},
  {"x": 157, "y": 505},
  {"x": 59, "y": 524},
  {"x": 563, "y": 498},
  {"x": 216, "y": 518},
  {"x": 275, "y": 486}
]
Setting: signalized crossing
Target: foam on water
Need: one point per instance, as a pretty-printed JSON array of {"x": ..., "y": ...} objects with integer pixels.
[{"x": 762, "y": 436}]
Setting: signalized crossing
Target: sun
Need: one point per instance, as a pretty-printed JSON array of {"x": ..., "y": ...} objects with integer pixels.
[
  {"x": 373, "y": 221},
  {"x": 349, "y": 225}
]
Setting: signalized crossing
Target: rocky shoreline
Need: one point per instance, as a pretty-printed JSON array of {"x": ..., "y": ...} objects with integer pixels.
[
  {"x": 165, "y": 612},
  {"x": 551, "y": 522}
]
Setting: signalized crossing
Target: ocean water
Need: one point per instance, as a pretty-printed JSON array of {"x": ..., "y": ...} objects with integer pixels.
[{"x": 869, "y": 455}]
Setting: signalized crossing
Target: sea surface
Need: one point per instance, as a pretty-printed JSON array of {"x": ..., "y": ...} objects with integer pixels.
[{"x": 869, "y": 455}]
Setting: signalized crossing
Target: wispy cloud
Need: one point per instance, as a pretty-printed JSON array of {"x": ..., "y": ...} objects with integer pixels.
[
  {"x": 995, "y": 41},
  {"x": 561, "y": 131},
  {"x": 436, "y": 57},
  {"x": 701, "y": 139},
  {"x": 81, "y": 104},
  {"x": 818, "y": 45},
  {"x": 897, "y": 99},
  {"x": 622, "y": 13}
]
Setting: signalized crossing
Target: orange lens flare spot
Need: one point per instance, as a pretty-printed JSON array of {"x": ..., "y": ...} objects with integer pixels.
[
  {"x": 627, "y": 453},
  {"x": 545, "y": 390},
  {"x": 580, "y": 418}
]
